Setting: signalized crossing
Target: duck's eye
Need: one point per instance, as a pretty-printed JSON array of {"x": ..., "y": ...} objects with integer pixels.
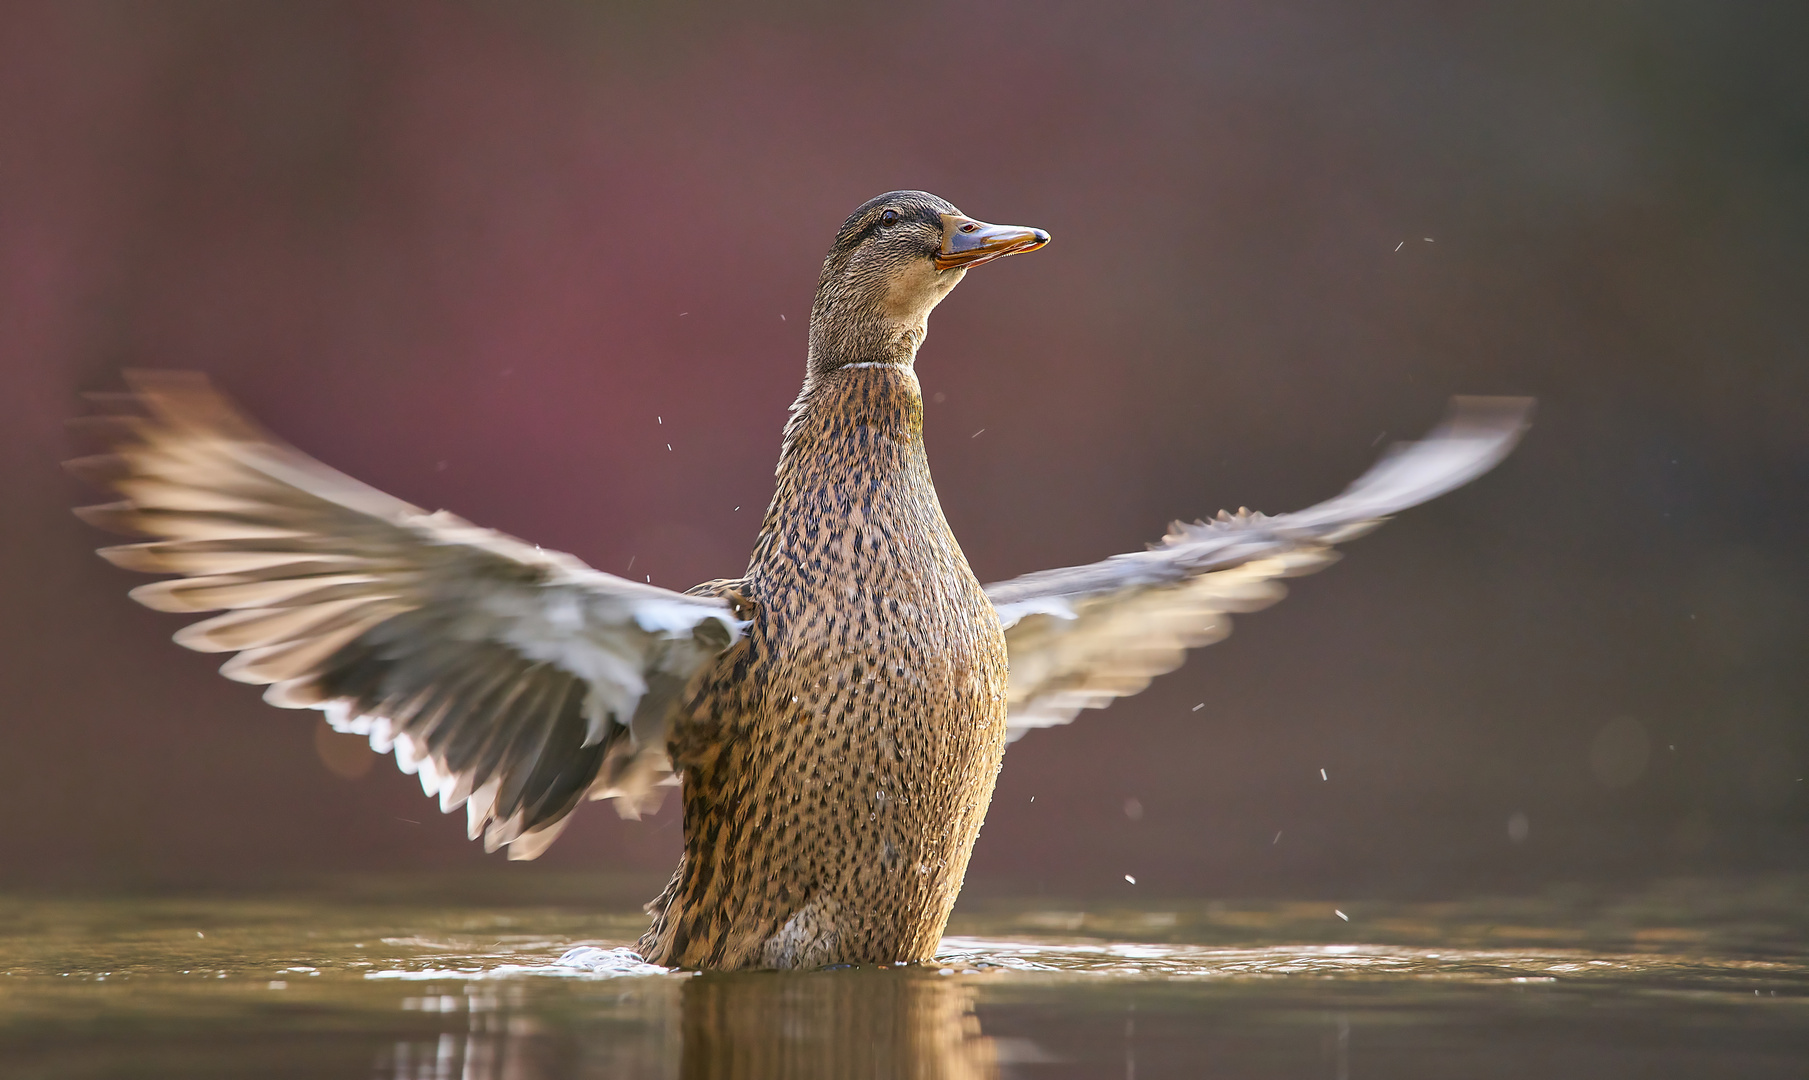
[
  {"x": 970, "y": 226},
  {"x": 889, "y": 217}
]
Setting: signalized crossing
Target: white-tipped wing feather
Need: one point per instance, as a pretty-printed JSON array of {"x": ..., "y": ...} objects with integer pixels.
[
  {"x": 1081, "y": 636},
  {"x": 513, "y": 681}
]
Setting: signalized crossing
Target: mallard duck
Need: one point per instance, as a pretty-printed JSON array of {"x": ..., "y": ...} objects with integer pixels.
[{"x": 834, "y": 717}]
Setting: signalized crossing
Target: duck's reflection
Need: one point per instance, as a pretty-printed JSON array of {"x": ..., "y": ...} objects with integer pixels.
[
  {"x": 864, "y": 1022},
  {"x": 878, "y": 1023}
]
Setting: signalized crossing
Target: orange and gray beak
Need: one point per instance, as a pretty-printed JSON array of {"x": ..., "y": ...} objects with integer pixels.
[{"x": 966, "y": 242}]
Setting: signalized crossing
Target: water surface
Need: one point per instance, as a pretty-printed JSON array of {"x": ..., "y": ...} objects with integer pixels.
[{"x": 1688, "y": 979}]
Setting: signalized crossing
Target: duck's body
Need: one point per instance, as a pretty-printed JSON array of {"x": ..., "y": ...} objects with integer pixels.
[
  {"x": 838, "y": 761},
  {"x": 836, "y": 716}
]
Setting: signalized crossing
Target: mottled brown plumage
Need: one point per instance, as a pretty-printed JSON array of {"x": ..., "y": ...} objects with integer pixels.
[
  {"x": 837, "y": 763},
  {"x": 836, "y": 716}
]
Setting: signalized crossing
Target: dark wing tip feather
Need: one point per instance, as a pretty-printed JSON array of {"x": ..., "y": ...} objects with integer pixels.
[
  {"x": 102, "y": 430},
  {"x": 121, "y": 518},
  {"x": 99, "y": 470},
  {"x": 188, "y": 399}
]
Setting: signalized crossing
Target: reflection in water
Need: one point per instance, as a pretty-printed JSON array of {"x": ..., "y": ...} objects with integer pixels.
[
  {"x": 476, "y": 1057},
  {"x": 1672, "y": 982},
  {"x": 496, "y": 1026},
  {"x": 908, "y": 1024},
  {"x": 834, "y": 1024},
  {"x": 880, "y": 1024},
  {"x": 495, "y": 1046},
  {"x": 921, "y": 1023}
]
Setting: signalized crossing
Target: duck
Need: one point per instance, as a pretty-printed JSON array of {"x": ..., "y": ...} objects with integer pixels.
[{"x": 834, "y": 718}]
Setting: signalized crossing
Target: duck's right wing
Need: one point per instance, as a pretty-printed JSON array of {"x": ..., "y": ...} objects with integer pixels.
[
  {"x": 1082, "y": 636},
  {"x": 513, "y": 681}
]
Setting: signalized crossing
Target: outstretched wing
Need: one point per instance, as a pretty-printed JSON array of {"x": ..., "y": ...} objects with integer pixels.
[
  {"x": 514, "y": 681},
  {"x": 1081, "y": 636}
]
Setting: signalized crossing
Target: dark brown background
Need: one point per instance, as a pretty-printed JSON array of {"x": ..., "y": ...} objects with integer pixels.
[{"x": 469, "y": 253}]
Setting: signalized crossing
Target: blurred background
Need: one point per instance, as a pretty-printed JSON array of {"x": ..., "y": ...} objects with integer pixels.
[{"x": 549, "y": 264}]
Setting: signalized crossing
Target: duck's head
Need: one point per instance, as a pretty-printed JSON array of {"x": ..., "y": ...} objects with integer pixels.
[{"x": 894, "y": 260}]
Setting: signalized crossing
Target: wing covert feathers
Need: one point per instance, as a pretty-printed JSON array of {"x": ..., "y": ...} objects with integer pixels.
[
  {"x": 511, "y": 680},
  {"x": 1081, "y": 636}
]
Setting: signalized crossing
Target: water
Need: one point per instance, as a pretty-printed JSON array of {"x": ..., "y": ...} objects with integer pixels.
[{"x": 364, "y": 980}]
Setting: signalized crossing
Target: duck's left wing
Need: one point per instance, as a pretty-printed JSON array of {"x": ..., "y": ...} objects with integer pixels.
[
  {"x": 1080, "y": 636},
  {"x": 513, "y": 681}
]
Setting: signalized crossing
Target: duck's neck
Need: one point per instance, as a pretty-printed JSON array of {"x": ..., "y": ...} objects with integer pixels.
[
  {"x": 878, "y": 397},
  {"x": 855, "y": 431}
]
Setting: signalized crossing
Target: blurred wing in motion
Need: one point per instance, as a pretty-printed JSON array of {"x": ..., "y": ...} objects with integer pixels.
[
  {"x": 514, "y": 681},
  {"x": 1081, "y": 636}
]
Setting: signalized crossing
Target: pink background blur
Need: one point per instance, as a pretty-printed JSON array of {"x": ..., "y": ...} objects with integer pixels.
[{"x": 470, "y": 252}]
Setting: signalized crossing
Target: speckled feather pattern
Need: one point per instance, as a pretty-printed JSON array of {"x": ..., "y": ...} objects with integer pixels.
[{"x": 837, "y": 763}]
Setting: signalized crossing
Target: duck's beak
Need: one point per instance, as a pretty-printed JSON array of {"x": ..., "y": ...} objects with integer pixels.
[{"x": 966, "y": 242}]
